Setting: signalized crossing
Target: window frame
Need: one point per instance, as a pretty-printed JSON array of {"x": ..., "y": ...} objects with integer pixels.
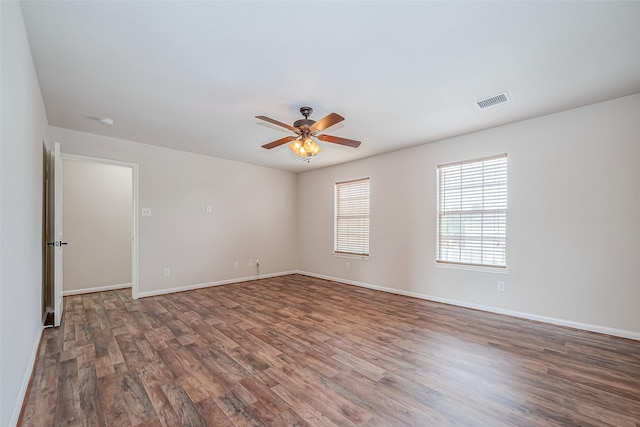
[
  {"x": 338, "y": 249},
  {"x": 495, "y": 214}
]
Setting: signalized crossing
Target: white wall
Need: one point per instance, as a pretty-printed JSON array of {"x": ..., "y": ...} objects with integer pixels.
[
  {"x": 573, "y": 221},
  {"x": 24, "y": 127},
  {"x": 98, "y": 225},
  {"x": 254, "y": 213}
]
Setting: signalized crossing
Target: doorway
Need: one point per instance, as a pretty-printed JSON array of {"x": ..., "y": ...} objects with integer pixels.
[
  {"x": 53, "y": 209},
  {"x": 98, "y": 226}
]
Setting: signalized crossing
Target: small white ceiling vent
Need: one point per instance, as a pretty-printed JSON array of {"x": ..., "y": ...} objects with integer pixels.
[{"x": 493, "y": 100}]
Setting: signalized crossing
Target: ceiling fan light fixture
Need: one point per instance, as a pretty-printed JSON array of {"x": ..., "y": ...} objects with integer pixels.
[
  {"x": 295, "y": 146},
  {"x": 311, "y": 147},
  {"x": 304, "y": 148}
]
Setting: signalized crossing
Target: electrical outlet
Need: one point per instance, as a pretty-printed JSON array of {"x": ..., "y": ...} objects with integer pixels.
[
  {"x": 209, "y": 208},
  {"x": 501, "y": 286},
  {"x": 235, "y": 264},
  {"x": 251, "y": 264},
  {"x": 348, "y": 266},
  {"x": 166, "y": 271},
  {"x": 146, "y": 211}
]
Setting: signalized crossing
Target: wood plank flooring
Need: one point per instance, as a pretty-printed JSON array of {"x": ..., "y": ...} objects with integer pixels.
[{"x": 299, "y": 351}]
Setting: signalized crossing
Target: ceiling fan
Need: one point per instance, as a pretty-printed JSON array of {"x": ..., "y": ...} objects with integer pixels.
[{"x": 302, "y": 145}]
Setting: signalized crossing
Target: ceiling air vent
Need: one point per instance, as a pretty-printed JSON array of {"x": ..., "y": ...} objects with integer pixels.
[{"x": 493, "y": 100}]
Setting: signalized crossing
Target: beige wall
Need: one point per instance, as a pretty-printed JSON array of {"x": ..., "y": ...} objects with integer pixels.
[
  {"x": 98, "y": 223},
  {"x": 23, "y": 129},
  {"x": 254, "y": 213},
  {"x": 573, "y": 221}
]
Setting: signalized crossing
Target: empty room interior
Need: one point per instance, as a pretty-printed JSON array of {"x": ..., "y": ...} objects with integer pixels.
[{"x": 354, "y": 213}]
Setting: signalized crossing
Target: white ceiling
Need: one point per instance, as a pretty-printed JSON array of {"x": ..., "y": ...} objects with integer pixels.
[{"x": 192, "y": 75}]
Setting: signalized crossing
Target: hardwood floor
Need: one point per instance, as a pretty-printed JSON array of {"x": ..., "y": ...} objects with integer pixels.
[{"x": 298, "y": 351}]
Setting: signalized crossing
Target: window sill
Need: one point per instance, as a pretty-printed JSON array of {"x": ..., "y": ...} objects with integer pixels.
[
  {"x": 480, "y": 268},
  {"x": 352, "y": 256}
]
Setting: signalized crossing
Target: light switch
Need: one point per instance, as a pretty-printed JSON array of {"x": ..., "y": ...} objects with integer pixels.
[{"x": 146, "y": 211}]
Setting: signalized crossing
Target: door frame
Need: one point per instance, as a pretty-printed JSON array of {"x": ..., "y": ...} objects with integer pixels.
[{"x": 134, "y": 202}]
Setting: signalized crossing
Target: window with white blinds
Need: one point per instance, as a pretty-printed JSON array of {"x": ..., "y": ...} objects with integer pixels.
[
  {"x": 352, "y": 217},
  {"x": 472, "y": 212}
]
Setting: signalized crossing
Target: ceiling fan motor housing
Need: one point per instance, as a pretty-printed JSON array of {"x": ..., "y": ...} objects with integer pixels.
[{"x": 303, "y": 122}]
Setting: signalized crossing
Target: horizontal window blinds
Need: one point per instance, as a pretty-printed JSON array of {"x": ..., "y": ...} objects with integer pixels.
[
  {"x": 352, "y": 217},
  {"x": 472, "y": 212}
]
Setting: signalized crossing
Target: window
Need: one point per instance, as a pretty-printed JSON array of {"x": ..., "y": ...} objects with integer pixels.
[
  {"x": 352, "y": 217},
  {"x": 472, "y": 212}
]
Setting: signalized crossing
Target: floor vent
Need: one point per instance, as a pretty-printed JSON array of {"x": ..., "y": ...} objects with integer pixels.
[{"x": 493, "y": 100}]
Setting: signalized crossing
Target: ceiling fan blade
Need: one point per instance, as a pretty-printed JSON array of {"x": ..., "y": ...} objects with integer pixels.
[
  {"x": 337, "y": 140},
  {"x": 279, "y": 142},
  {"x": 275, "y": 122},
  {"x": 327, "y": 121}
]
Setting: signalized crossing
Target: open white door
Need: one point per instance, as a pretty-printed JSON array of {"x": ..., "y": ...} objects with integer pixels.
[{"x": 58, "y": 242}]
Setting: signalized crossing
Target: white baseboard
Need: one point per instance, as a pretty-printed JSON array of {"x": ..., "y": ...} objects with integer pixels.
[
  {"x": 561, "y": 322},
  {"x": 96, "y": 289},
  {"x": 25, "y": 381},
  {"x": 210, "y": 284}
]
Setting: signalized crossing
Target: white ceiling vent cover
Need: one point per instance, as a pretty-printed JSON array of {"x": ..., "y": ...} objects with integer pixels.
[{"x": 493, "y": 100}]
